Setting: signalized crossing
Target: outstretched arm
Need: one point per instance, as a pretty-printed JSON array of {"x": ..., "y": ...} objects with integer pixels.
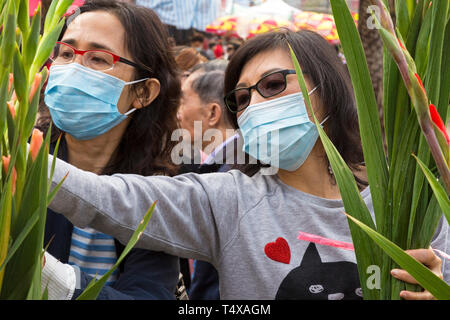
[{"x": 186, "y": 219}]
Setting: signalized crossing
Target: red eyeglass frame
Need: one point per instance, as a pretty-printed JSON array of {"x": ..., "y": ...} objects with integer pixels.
[{"x": 116, "y": 58}]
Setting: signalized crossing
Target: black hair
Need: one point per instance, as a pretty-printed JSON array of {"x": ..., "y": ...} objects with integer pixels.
[
  {"x": 197, "y": 37},
  {"x": 318, "y": 59}
]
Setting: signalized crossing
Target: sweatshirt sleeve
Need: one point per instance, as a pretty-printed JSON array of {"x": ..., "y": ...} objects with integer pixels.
[
  {"x": 441, "y": 245},
  {"x": 188, "y": 216}
]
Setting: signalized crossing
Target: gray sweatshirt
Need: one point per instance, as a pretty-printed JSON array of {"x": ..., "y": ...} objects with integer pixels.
[{"x": 266, "y": 239}]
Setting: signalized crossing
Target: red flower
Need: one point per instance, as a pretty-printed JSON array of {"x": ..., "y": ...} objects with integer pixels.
[
  {"x": 420, "y": 81},
  {"x": 401, "y": 45},
  {"x": 437, "y": 120}
]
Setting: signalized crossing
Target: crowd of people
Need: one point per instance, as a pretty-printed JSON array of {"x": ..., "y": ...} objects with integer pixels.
[{"x": 218, "y": 133}]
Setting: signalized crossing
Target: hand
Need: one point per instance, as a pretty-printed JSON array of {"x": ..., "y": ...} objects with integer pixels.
[{"x": 430, "y": 260}]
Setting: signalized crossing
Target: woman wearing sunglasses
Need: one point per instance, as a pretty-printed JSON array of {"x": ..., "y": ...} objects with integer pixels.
[
  {"x": 271, "y": 234},
  {"x": 113, "y": 95}
]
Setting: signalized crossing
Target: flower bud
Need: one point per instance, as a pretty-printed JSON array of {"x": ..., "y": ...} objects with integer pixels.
[
  {"x": 35, "y": 86},
  {"x": 437, "y": 120},
  {"x": 35, "y": 144},
  {"x": 11, "y": 108},
  {"x": 6, "y": 161}
]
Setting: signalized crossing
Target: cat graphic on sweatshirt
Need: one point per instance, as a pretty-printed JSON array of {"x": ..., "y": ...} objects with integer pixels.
[{"x": 317, "y": 280}]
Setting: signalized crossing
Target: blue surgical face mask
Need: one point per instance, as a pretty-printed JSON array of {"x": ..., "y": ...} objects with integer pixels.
[
  {"x": 278, "y": 131},
  {"x": 83, "y": 101}
]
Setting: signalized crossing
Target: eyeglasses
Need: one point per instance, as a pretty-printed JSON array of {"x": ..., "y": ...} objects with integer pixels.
[
  {"x": 268, "y": 86},
  {"x": 99, "y": 60}
]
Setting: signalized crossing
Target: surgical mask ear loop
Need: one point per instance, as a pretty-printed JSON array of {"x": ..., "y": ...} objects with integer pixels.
[
  {"x": 310, "y": 93},
  {"x": 133, "y": 82},
  {"x": 136, "y": 81},
  {"x": 129, "y": 112},
  {"x": 324, "y": 120}
]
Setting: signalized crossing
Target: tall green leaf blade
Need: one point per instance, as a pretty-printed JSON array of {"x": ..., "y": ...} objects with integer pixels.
[
  {"x": 444, "y": 97},
  {"x": 4, "y": 78},
  {"x": 5, "y": 225},
  {"x": 45, "y": 48},
  {"x": 8, "y": 37},
  {"x": 369, "y": 121},
  {"x": 23, "y": 18},
  {"x": 433, "y": 215},
  {"x": 401, "y": 189},
  {"x": 21, "y": 267},
  {"x": 423, "y": 42},
  {"x": 433, "y": 76},
  {"x": 413, "y": 32},
  {"x": 401, "y": 181},
  {"x": 391, "y": 77},
  {"x": 402, "y": 17},
  {"x": 32, "y": 40},
  {"x": 438, "y": 189},
  {"x": 21, "y": 237},
  {"x": 417, "y": 270}
]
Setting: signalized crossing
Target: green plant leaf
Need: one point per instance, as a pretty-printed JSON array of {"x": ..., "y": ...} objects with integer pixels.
[
  {"x": 402, "y": 17},
  {"x": 32, "y": 39},
  {"x": 8, "y": 37},
  {"x": 444, "y": 97},
  {"x": 433, "y": 76},
  {"x": 21, "y": 237},
  {"x": 369, "y": 121},
  {"x": 45, "y": 47},
  {"x": 23, "y": 17},
  {"x": 438, "y": 189},
  {"x": 427, "y": 279}
]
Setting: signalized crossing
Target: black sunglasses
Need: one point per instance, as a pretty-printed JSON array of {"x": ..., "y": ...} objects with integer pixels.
[{"x": 268, "y": 86}]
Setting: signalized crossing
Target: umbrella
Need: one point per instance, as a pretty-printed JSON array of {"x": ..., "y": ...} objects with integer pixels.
[
  {"x": 321, "y": 23},
  {"x": 261, "y": 25},
  {"x": 223, "y": 25}
]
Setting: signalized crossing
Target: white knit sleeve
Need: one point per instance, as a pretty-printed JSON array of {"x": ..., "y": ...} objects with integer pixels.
[{"x": 59, "y": 278}]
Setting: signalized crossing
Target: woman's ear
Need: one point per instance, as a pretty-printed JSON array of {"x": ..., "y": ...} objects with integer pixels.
[{"x": 153, "y": 88}]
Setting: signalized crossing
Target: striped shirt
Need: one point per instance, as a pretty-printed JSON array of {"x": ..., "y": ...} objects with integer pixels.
[
  {"x": 184, "y": 14},
  {"x": 93, "y": 252}
]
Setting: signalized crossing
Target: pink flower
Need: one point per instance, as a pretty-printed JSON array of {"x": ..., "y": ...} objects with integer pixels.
[
  {"x": 11, "y": 108},
  {"x": 35, "y": 85},
  {"x": 11, "y": 79},
  {"x": 35, "y": 144}
]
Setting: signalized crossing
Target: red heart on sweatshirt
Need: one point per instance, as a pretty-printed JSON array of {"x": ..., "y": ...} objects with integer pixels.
[{"x": 278, "y": 251}]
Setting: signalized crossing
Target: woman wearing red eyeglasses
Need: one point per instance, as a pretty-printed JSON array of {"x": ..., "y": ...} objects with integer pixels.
[
  {"x": 113, "y": 94},
  {"x": 278, "y": 230}
]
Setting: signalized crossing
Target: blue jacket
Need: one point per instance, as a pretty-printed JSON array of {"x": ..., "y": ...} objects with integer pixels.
[{"x": 143, "y": 274}]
